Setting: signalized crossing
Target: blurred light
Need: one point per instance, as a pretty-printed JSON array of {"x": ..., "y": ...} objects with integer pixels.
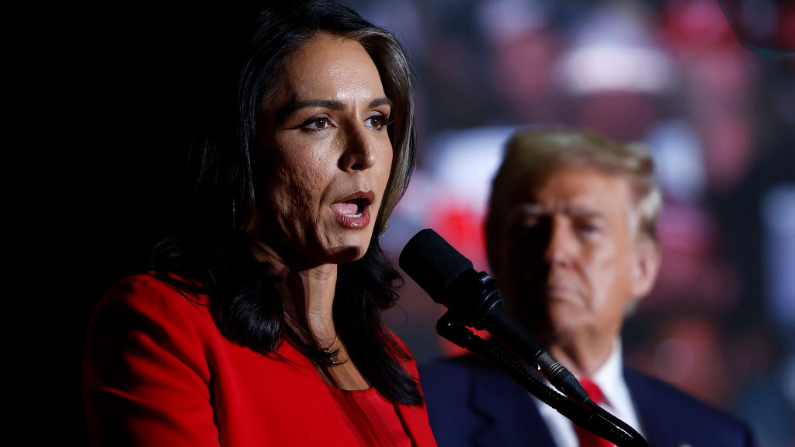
[
  {"x": 778, "y": 219},
  {"x": 613, "y": 50},
  {"x": 464, "y": 162},
  {"x": 450, "y": 191},
  {"x": 613, "y": 67},
  {"x": 685, "y": 227},
  {"x": 698, "y": 24},
  {"x": 675, "y": 359},
  {"x": 679, "y": 164},
  {"x": 503, "y": 20}
]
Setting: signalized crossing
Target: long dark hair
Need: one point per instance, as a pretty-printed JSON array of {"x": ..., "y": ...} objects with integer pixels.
[{"x": 211, "y": 255}]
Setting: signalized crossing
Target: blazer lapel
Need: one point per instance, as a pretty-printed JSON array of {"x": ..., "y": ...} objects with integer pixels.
[
  {"x": 651, "y": 416},
  {"x": 416, "y": 420},
  {"x": 510, "y": 417}
]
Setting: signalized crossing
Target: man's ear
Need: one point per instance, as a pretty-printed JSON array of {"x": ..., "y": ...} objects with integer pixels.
[{"x": 645, "y": 266}]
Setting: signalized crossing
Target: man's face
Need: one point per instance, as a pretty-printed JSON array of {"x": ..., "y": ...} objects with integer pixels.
[{"x": 566, "y": 254}]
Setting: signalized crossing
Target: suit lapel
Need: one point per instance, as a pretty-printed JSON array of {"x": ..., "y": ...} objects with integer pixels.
[
  {"x": 651, "y": 415},
  {"x": 510, "y": 417},
  {"x": 416, "y": 420}
]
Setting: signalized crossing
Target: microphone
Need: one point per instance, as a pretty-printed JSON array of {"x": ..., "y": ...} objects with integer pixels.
[{"x": 450, "y": 279}]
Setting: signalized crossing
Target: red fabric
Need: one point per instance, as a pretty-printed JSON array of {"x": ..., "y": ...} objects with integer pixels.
[
  {"x": 373, "y": 418},
  {"x": 157, "y": 372},
  {"x": 586, "y": 438}
]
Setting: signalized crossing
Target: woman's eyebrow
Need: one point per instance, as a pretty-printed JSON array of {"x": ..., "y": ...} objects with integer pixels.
[
  {"x": 332, "y": 104},
  {"x": 312, "y": 103},
  {"x": 380, "y": 101}
]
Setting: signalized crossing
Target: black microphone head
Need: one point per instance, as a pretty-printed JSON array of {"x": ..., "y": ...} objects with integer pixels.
[{"x": 432, "y": 263}]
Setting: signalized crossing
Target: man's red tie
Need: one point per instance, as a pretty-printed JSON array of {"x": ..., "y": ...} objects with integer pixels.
[{"x": 586, "y": 438}]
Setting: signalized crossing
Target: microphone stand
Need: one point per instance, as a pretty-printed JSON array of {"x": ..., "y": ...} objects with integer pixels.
[{"x": 590, "y": 417}]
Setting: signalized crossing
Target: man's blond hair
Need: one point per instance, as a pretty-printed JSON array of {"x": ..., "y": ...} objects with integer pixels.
[{"x": 531, "y": 155}]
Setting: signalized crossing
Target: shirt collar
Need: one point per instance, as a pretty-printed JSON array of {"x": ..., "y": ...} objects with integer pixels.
[
  {"x": 610, "y": 379},
  {"x": 610, "y": 375}
]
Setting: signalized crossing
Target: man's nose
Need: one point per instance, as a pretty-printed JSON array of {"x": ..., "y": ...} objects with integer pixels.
[{"x": 560, "y": 243}]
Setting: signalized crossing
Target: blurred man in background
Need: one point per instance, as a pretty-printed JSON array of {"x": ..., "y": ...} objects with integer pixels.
[{"x": 571, "y": 241}]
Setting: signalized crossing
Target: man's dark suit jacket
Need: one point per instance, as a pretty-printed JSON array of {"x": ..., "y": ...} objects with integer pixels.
[{"x": 471, "y": 403}]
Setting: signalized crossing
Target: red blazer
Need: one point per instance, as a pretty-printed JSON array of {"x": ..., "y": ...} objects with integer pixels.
[{"x": 157, "y": 372}]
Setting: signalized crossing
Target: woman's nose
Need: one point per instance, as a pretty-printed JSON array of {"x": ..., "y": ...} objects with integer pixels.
[{"x": 358, "y": 152}]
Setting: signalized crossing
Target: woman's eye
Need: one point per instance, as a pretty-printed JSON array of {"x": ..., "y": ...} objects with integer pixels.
[
  {"x": 378, "y": 121},
  {"x": 318, "y": 123}
]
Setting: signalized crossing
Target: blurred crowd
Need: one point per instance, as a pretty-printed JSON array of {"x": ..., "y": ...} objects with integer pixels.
[{"x": 718, "y": 116}]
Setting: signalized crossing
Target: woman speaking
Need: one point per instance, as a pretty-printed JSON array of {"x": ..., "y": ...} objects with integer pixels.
[{"x": 259, "y": 325}]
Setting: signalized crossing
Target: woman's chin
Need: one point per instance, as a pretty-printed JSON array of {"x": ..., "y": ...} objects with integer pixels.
[
  {"x": 351, "y": 248},
  {"x": 340, "y": 252},
  {"x": 344, "y": 255}
]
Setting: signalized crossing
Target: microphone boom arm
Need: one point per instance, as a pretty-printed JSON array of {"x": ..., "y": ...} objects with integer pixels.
[
  {"x": 591, "y": 417},
  {"x": 474, "y": 300},
  {"x": 484, "y": 311}
]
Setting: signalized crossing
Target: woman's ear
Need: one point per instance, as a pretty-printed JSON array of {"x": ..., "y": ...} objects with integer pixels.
[{"x": 646, "y": 265}]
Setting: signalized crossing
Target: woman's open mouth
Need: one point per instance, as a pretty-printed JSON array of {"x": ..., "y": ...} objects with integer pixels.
[{"x": 354, "y": 211}]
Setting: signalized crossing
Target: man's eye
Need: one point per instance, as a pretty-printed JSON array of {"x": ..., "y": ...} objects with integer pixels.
[
  {"x": 588, "y": 228},
  {"x": 526, "y": 230},
  {"x": 530, "y": 222}
]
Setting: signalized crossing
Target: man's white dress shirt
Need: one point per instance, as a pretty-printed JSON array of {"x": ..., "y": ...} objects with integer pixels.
[{"x": 617, "y": 401}]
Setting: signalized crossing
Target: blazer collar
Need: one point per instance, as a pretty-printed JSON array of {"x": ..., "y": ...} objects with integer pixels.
[
  {"x": 509, "y": 414},
  {"x": 510, "y": 417},
  {"x": 417, "y": 426},
  {"x": 650, "y": 415}
]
